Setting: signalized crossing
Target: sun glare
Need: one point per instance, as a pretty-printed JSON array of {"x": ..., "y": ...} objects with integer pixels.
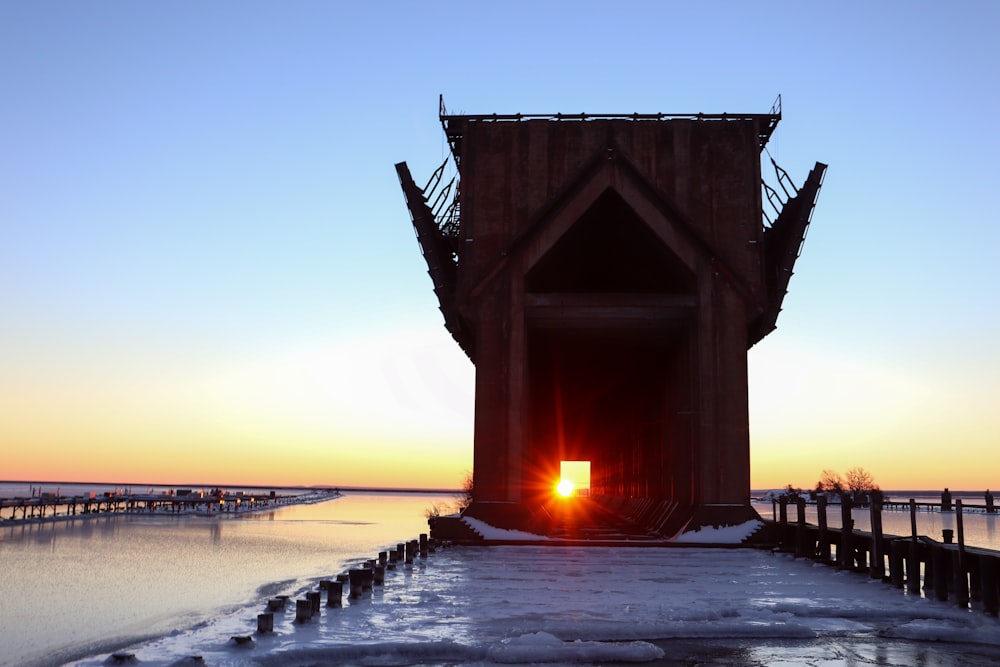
[{"x": 565, "y": 488}]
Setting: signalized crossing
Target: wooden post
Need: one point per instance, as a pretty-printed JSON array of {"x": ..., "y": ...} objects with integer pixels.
[
  {"x": 940, "y": 556},
  {"x": 356, "y": 581},
  {"x": 783, "y": 521},
  {"x": 896, "y": 558},
  {"x": 314, "y": 599},
  {"x": 823, "y": 539},
  {"x": 961, "y": 580},
  {"x": 408, "y": 550},
  {"x": 988, "y": 588},
  {"x": 800, "y": 527},
  {"x": 303, "y": 610},
  {"x": 946, "y": 500},
  {"x": 876, "y": 563},
  {"x": 423, "y": 545},
  {"x": 974, "y": 563},
  {"x": 383, "y": 557},
  {"x": 379, "y": 575},
  {"x": 335, "y": 594},
  {"x": 913, "y": 560},
  {"x": 845, "y": 553},
  {"x": 265, "y": 622}
]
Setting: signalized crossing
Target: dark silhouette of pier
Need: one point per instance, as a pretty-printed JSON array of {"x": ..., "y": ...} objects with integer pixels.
[
  {"x": 52, "y": 506},
  {"x": 946, "y": 570}
]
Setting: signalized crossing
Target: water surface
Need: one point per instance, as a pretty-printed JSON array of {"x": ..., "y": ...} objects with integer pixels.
[{"x": 73, "y": 587}]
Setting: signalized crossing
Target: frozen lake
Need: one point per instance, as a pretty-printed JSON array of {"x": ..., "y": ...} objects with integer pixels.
[
  {"x": 71, "y": 587},
  {"x": 173, "y": 587},
  {"x": 599, "y": 605}
]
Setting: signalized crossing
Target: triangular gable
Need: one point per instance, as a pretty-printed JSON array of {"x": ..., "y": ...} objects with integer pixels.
[{"x": 610, "y": 171}]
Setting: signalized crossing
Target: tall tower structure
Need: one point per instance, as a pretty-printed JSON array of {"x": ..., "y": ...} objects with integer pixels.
[{"x": 607, "y": 274}]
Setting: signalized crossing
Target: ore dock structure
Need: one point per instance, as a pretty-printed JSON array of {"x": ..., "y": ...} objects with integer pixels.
[{"x": 607, "y": 274}]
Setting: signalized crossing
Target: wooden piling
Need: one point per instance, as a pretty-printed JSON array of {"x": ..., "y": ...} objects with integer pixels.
[
  {"x": 946, "y": 500},
  {"x": 423, "y": 545},
  {"x": 897, "y": 556},
  {"x": 409, "y": 550},
  {"x": 941, "y": 566},
  {"x": 974, "y": 563},
  {"x": 303, "y": 610},
  {"x": 265, "y": 622},
  {"x": 314, "y": 599},
  {"x": 960, "y": 577},
  {"x": 800, "y": 533},
  {"x": 783, "y": 522},
  {"x": 876, "y": 563},
  {"x": 378, "y": 575},
  {"x": 913, "y": 557},
  {"x": 845, "y": 551},
  {"x": 823, "y": 547},
  {"x": 989, "y": 590},
  {"x": 335, "y": 594},
  {"x": 356, "y": 581}
]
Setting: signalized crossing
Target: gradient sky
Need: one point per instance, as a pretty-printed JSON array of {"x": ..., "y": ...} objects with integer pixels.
[{"x": 208, "y": 274}]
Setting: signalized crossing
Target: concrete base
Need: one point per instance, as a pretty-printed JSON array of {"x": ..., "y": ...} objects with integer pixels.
[
  {"x": 510, "y": 516},
  {"x": 623, "y": 516}
]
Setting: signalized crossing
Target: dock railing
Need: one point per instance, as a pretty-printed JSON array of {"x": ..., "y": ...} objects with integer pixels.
[{"x": 947, "y": 571}]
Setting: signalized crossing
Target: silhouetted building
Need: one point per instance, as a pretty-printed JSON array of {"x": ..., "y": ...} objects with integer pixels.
[{"x": 607, "y": 274}]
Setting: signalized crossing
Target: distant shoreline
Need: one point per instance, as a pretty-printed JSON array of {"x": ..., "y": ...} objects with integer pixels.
[{"x": 355, "y": 489}]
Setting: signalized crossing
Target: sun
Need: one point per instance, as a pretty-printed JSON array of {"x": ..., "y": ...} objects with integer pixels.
[{"x": 565, "y": 488}]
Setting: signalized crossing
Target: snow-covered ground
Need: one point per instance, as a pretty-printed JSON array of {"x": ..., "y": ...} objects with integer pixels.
[{"x": 557, "y": 604}]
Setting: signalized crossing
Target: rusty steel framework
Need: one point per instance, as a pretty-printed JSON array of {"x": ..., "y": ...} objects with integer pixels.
[{"x": 577, "y": 239}]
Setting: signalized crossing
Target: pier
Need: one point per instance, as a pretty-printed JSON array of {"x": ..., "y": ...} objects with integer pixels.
[
  {"x": 948, "y": 571},
  {"x": 52, "y": 506}
]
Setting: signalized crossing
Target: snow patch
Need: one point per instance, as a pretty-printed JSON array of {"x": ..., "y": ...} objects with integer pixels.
[
  {"x": 720, "y": 535},
  {"x": 544, "y": 647},
  {"x": 493, "y": 533}
]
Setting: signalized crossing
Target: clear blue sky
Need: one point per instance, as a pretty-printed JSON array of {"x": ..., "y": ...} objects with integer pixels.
[{"x": 207, "y": 269}]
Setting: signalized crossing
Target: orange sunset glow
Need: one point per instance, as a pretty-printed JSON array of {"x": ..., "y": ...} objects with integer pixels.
[{"x": 208, "y": 272}]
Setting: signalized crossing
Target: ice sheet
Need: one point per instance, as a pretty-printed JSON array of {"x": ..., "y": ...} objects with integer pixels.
[{"x": 546, "y": 603}]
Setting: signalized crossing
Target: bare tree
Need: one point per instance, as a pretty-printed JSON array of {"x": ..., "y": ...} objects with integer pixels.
[
  {"x": 830, "y": 480},
  {"x": 860, "y": 480},
  {"x": 458, "y": 505},
  {"x": 467, "y": 492}
]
